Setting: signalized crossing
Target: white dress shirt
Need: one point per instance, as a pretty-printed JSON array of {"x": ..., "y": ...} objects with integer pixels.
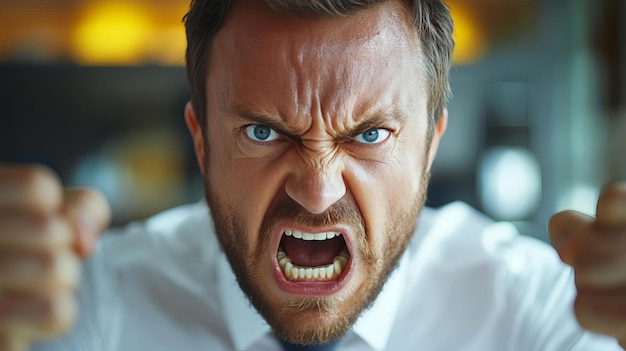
[{"x": 465, "y": 283}]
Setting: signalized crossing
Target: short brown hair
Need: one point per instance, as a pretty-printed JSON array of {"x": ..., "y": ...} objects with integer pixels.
[{"x": 432, "y": 21}]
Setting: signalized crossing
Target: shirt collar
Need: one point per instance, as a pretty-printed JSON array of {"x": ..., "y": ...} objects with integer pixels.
[
  {"x": 375, "y": 324},
  {"x": 246, "y": 326}
]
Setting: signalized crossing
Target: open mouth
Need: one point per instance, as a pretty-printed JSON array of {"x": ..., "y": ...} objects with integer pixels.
[{"x": 312, "y": 257}]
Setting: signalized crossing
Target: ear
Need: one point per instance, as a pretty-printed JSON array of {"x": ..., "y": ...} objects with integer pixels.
[
  {"x": 196, "y": 134},
  {"x": 439, "y": 130}
]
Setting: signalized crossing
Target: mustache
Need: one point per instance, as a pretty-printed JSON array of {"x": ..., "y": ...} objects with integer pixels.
[{"x": 343, "y": 211}]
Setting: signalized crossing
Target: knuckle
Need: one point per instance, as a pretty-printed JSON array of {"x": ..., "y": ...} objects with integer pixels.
[
  {"x": 59, "y": 314},
  {"x": 52, "y": 229},
  {"x": 21, "y": 229},
  {"x": 88, "y": 203},
  {"x": 619, "y": 188},
  {"x": 613, "y": 195},
  {"x": 60, "y": 268},
  {"x": 40, "y": 270},
  {"x": 19, "y": 269},
  {"x": 41, "y": 186},
  {"x": 39, "y": 177},
  {"x": 35, "y": 173},
  {"x": 65, "y": 270}
]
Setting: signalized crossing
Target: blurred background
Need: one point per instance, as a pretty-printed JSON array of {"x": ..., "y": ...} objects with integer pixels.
[{"x": 95, "y": 89}]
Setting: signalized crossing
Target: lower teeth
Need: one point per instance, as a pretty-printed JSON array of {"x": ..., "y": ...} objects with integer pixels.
[{"x": 321, "y": 273}]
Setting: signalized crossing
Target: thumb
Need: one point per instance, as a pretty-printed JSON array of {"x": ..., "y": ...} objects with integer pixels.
[
  {"x": 89, "y": 214},
  {"x": 567, "y": 233}
]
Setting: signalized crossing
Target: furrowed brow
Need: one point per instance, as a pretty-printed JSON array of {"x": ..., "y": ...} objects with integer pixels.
[
  {"x": 256, "y": 117},
  {"x": 372, "y": 122}
]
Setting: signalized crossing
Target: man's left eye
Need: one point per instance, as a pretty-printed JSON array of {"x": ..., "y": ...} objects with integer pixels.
[
  {"x": 373, "y": 136},
  {"x": 261, "y": 133}
]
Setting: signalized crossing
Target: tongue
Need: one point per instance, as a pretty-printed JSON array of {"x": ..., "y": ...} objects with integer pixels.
[{"x": 312, "y": 253}]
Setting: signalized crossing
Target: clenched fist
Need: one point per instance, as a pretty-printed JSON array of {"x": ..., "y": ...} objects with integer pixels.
[
  {"x": 44, "y": 232},
  {"x": 596, "y": 249}
]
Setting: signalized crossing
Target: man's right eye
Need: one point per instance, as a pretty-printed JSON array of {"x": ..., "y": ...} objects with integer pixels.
[{"x": 261, "y": 133}]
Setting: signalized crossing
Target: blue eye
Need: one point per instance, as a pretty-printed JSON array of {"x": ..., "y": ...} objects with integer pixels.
[
  {"x": 373, "y": 136},
  {"x": 261, "y": 133}
]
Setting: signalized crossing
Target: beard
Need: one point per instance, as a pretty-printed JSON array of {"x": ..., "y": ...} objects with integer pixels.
[{"x": 292, "y": 318}]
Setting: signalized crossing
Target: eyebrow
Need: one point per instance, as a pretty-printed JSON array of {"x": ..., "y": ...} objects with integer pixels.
[
  {"x": 257, "y": 117},
  {"x": 371, "y": 121},
  {"x": 368, "y": 123}
]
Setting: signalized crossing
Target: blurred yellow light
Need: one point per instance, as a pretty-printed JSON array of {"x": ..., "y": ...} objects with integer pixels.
[
  {"x": 168, "y": 44},
  {"x": 111, "y": 32},
  {"x": 471, "y": 41}
]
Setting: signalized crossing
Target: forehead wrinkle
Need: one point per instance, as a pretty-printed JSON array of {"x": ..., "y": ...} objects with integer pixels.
[
  {"x": 333, "y": 96},
  {"x": 344, "y": 96}
]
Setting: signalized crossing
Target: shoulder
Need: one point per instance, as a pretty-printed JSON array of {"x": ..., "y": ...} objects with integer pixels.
[
  {"x": 183, "y": 231},
  {"x": 458, "y": 237},
  {"x": 459, "y": 244},
  {"x": 174, "y": 251},
  {"x": 508, "y": 290}
]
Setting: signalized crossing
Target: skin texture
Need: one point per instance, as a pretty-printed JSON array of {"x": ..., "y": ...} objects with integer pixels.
[{"x": 320, "y": 83}]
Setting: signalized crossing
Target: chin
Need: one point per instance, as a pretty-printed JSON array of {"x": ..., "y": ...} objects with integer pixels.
[{"x": 306, "y": 320}]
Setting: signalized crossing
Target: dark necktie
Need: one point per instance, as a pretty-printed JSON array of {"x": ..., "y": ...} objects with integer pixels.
[{"x": 331, "y": 346}]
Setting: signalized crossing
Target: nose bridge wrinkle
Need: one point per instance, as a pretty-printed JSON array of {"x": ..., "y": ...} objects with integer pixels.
[
  {"x": 317, "y": 181},
  {"x": 319, "y": 160},
  {"x": 317, "y": 145},
  {"x": 319, "y": 156}
]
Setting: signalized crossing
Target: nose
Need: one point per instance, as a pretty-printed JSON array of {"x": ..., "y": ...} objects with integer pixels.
[{"x": 316, "y": 187}]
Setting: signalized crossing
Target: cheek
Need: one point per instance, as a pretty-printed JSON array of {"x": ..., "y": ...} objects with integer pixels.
[
  {"x": 248, "y": 186},
  {"x": 382, "y": 191}
]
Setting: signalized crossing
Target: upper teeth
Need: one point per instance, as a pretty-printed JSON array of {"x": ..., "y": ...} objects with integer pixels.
[{"x": 298, "y": 234}]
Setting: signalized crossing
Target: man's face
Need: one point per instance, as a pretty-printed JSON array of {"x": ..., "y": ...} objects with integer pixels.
[{"x": 317, "y": 159}]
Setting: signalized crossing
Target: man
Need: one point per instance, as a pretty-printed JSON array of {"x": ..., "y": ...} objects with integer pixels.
[{"x": 315, "y": 125}]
